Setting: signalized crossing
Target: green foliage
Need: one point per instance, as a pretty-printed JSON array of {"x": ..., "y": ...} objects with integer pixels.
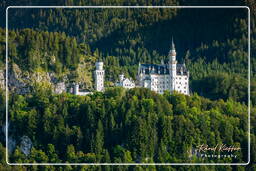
[
  {"x": 224, "y": 86},
  {"x": 47, "y": 50},
  {"x": 69, "y": 41},
  {"x": 149, "y": 127},
  {"x": 135, "y": 125},
  {"x": 123, "y": 38}
]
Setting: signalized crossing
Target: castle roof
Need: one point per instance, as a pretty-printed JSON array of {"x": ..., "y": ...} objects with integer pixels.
[
  {"x": 154, "y": 69},
  {"x": 182, "y": 69},
  {"x": 161, "y": 69}
]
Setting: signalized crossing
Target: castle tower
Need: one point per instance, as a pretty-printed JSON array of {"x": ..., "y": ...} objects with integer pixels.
[
  {"x": 99, "y": 74},
  {"x": 121, "y": 77},
  {"x": 76, "y": 89},
  {"x": 139, "y": 75},
  {"x": 172, "y": 66}
]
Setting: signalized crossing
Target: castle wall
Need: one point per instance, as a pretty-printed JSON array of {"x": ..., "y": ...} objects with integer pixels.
[
  {"x": 181, "y": 84},
  {"x": 160, "y": 83}
]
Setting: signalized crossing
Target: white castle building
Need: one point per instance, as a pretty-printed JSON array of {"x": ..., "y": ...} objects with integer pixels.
[
  {"x": 125, "y": 82},
  {"x": 156, "y": 77},
  {"x": 160, "y": 77},
  {"x": 99, "y": 75}
]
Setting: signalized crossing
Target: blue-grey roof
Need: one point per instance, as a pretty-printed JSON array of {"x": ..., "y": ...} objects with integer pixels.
[
  {"x": 154, "y": 69},
  {"x": 162, "y": 69}
]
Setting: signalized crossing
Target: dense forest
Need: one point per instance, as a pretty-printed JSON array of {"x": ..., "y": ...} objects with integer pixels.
[
  {"x": 126, "y": 42},
  {"x": 69, "y": 128},
  {"x": 65, "y": 128}
]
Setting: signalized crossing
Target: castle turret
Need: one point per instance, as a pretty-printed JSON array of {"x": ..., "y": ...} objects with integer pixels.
[
  {"x": 139, "y": 69},
  {"x": 172, "y": 52},
  {"x": 162, "y": 62},
  {"x": 99, "y": 74},
  {"x": 172, "y": 66},
  {"x": 76, "y": 89},
  {"x": 121, "y": 77}
]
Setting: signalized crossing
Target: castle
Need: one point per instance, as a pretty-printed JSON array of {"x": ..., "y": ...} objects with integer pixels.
[
  {"x": 160, "y": 77},
  {"x": 156, "y": 77}
]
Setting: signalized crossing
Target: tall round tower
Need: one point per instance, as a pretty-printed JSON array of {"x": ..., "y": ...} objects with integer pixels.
[
  {"x": 99, "y": 75},
  {"x": 172, "y": 67}
]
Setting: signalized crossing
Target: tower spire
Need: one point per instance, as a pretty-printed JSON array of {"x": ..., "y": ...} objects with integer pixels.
[
  {"x": 172, "y": 52},
  {"x": 173, "y": 46}
]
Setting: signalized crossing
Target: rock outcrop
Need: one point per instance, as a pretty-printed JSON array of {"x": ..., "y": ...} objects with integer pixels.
[{"x": 21, "y": 82}]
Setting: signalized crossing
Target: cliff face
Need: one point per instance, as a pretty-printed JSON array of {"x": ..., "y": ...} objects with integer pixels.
[{"x": 21, "y": 82}]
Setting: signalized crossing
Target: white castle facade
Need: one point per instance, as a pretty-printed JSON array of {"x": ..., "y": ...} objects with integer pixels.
[
  {"x": 160, "y": 77},
  {"x": 156, "y": 77},
  {"x": 125, "y": 82}
]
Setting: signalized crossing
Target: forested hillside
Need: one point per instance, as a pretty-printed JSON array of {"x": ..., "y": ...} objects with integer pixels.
[
  {"x": 85, "y": 129},
  {"x": 114, "y": 126},
  {"x": 216, "y": 41}
]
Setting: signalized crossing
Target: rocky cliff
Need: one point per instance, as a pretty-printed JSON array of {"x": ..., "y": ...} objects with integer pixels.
[{"x": 21, "y": 82}]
